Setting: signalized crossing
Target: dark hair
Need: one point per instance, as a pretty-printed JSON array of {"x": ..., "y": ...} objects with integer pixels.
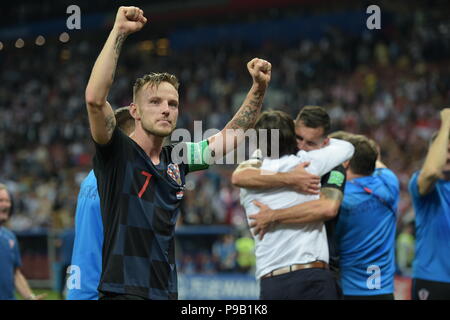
[
  {"x": 124, "y": 120},
  {"x": 365, "y": 157},
  {"x": 315, "y": 117},
  {"x": 154, "y": 79},
  {"x": 280, "y": 120}
]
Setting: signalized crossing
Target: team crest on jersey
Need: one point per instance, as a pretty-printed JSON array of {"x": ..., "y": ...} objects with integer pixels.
[
  {"x": 174, "y": 172},
  {"x": 11, "y": 243},
  {"x": 180, "y": 195}
]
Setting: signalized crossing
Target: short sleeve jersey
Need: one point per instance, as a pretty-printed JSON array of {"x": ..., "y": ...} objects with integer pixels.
[
  {"x": 432, "y": 256},
  {"x": 87, "y": 251},
  {"x": 9, "y": 262},
  {"x": 140, "y": 204},
  {"x": 365, "y": 234}
]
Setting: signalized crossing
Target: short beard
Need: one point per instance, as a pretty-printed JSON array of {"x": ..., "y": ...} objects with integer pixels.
[{"x": 156, "y": 133}]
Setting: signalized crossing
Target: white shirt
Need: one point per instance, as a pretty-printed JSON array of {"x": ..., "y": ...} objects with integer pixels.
[{"x": 289, "y": 244}]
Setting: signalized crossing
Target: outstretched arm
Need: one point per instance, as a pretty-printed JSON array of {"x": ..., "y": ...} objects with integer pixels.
[
  {"x": 436, "y": 156},
  {"x": 101, "y": 116},
  {"x": 248, "y": 175},
  {"x": 227, "y": 140}
]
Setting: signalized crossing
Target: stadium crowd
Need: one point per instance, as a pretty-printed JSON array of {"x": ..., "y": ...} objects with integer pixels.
[{"x": 388, "y": 85}]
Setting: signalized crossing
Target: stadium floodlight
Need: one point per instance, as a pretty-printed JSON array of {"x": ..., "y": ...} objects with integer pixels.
[
  {"x": 65, "y": 55},
  {"x": 20, "y": 43},
  {"x": 146, "y": 45},
  {"x": 163, "y": 43},
  {"x": 162, "y": 47},
  {"x": 64, "y": 37},
  {"x": 40, "y": 41}
]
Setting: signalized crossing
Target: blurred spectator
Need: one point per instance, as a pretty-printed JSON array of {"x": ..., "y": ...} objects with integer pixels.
[
  {"x": 188, "y": 265},
  {"x": 224, "y": 252},
  {"x": 245, "y": 248},
  {"x": 405, "y": 250},
  {"x": 206, "y": 263}
]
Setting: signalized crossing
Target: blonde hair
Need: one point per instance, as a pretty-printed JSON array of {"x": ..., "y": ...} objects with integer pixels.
[
  {"x": 154, "y": 79},
  {"x": 342, "y": 135}
]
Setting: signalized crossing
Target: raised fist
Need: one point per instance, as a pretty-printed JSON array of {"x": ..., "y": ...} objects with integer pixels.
[
  {"x": 129, "y": 20},
  {"x": 445, "y": 115},
  {"x": 260, "y": 70}
]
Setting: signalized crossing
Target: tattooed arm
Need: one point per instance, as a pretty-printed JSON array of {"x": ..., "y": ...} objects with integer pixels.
[
  {"x": 245, "y": 118},
  {"x": 101, "y": 116},
  {"x": 249, "y": 175}
]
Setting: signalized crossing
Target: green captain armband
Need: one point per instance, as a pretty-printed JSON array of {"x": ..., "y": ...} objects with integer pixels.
[
  {"x": 198, "y": 155},
  {"x": 336, "y": 178}
]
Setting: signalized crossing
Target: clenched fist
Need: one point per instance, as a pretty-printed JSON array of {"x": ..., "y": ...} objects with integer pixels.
[
  {"x": 445, "y": 115},
  {"x": 260, "y": 70},
  {"x": 130, "y": 20}
]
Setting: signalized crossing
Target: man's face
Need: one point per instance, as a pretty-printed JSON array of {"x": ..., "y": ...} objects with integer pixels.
[
  {"x": 309, "y": 138},
  {"x": 157, "y": 109},
  {"x": 5, "y": 206}
]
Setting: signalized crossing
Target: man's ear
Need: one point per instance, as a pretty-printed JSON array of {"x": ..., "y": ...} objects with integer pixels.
[
  {"x": 134, "y": 111},
  {"x": 326, "y": 141},
  {"x": 346, "y": 164}
]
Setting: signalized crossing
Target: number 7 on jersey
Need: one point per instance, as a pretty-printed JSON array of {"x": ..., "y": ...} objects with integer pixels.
[{"x": 147, "y": 180}]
